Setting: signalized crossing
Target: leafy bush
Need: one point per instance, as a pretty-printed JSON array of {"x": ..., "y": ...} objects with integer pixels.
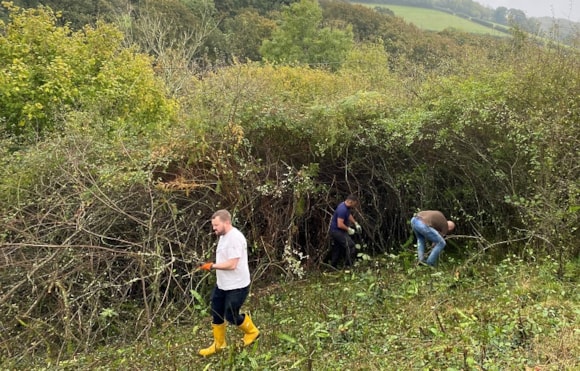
[{"x": 48, "y": 71}]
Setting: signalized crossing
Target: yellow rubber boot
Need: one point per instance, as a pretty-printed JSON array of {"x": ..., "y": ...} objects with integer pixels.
[
  {"x": 219, "y": 340},
  {"x": 251, "y": 333}
]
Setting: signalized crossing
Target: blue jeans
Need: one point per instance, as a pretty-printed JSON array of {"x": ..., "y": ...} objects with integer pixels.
[
  {"x": 226, "y": 304},
  {"x": 424, "y": 232}
]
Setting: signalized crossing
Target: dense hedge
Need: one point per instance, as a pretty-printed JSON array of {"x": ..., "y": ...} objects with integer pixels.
[{"x": 105, "y": 220}]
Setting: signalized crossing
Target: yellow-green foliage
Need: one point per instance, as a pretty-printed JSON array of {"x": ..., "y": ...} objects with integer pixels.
[
  {"x": 263, "y": 95},
  {"x": 368, "y": 63},
  {"x": 48, "y": 71},
  {"x": 303, "y": 85}
]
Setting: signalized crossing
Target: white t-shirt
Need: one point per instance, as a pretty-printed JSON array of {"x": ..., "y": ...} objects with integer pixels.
[{"x": 233, "y": 245}]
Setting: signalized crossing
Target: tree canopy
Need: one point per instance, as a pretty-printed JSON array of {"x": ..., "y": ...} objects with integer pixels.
[{"x": 301, "y": 38}]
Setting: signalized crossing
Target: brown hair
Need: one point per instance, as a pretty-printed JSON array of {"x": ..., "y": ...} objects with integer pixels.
[{"x": 223, "y": 214}]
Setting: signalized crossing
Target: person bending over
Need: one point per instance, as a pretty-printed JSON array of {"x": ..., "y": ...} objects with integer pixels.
[{"x": 433, "y": 226}]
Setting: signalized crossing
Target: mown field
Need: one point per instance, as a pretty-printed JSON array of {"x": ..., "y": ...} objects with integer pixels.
[
  {"x": 435, "y": 20},
  {"x": 386, "y": 314}
]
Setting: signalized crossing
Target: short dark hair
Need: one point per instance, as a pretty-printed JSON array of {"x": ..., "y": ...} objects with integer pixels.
[{"x": 352, "y": 197}]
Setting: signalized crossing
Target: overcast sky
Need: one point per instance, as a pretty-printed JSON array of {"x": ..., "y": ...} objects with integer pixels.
[{"x": 567, "y": 9}]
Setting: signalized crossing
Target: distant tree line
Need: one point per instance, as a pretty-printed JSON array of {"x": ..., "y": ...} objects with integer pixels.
[{"x": 227, "y": 29}]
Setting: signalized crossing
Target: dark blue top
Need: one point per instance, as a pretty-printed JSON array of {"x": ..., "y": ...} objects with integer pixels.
[{"x": 342, "y": 212}]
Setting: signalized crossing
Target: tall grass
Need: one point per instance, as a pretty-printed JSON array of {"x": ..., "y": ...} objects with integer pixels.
[{"x": 385, "y": 314}]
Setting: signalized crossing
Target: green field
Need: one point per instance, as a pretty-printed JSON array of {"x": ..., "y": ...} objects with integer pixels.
[{"x": 435, "y": 20}]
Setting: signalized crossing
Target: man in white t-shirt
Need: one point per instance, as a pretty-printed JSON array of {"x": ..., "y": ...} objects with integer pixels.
[{"x": 233, "y": 283}]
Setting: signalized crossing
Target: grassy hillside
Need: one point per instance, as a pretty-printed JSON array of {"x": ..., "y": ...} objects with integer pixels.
[
  {"x": 435, "y": 20},
  {"x": 387, "y": 314},
  {"x": 106, "y": 214}
]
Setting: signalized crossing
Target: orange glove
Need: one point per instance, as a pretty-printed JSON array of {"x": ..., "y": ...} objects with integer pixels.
[{"x": 207, "y": 266}]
